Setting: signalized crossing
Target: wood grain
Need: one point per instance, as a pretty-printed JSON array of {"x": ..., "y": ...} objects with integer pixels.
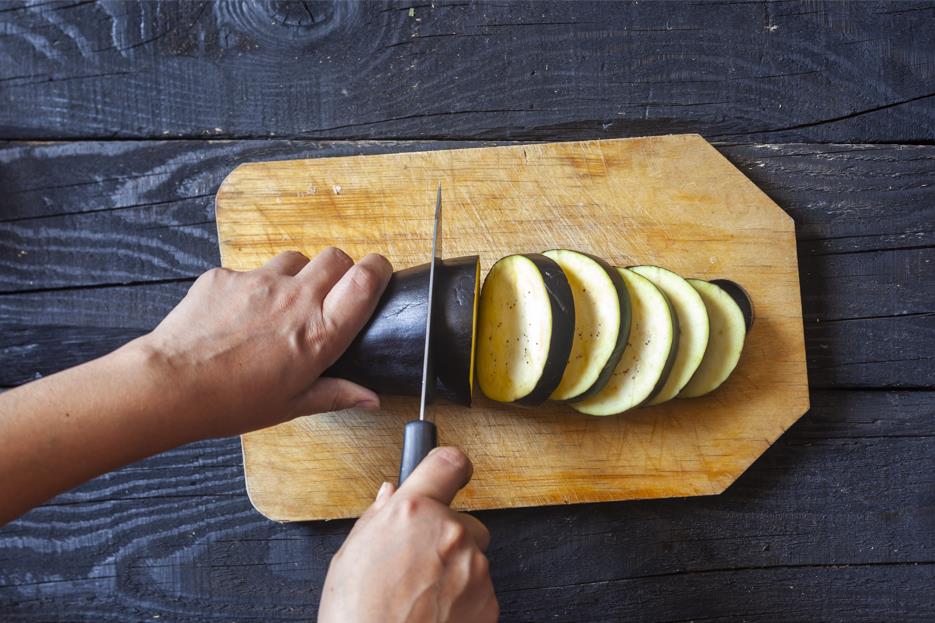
[
  {"x": 743, "y": 71},
  {"x": 833, "y": 519},
  {"x": 833, "y": 523},
  {"x": 672, "y": 201},
  {"x": 863, "y": 214}
]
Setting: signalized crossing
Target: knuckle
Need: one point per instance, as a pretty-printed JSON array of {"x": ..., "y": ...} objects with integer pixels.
[
  {"x": 262, "y": 277},
  {"x": 484, "y": 531},
  {"x": 456, "y": 531},
  {"x": 453, "y": 538},
  {"x": 213, "y": 274},
  {"x": 409, "y": 507},
  {"x": 480, "y": 565},
  {"x": 316, "y": 336}
]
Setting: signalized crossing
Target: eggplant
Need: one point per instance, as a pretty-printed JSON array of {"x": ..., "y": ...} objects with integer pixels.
[
  {"x": 649, "y": 354},
  {"x": 386, "y": 356},
  {"x": 693, "y": 328},
  {"x": 526, "y": 325},
  {"x": 602, "y": 323},
  {"x": 728, "y": 329},
  {"x": 740, "y": 296}
]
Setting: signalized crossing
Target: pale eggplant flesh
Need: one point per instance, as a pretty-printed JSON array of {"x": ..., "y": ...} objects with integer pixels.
[
  {"x": 692, "y": 316},
  {"x": 649, "y": 353},
  {"x": 526, "y": 324},
  {"x": 728, "y": 331},
  {"x": 741, "y": 297},
  {"x": 602, "y": 323},
  {"x": 386, "y": 356}
]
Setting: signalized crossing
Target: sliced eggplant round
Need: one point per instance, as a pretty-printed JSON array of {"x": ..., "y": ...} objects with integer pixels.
[
  {"x": 386, "y": 355},
  {"x": 649, "y": 354},
  {"x": 740, "y": 296},
  {"x": 602, "y": 323},
  {"x": 728, "y": 330},
  {"x": 525, "y": 331},
  {"x": 693, "y": 328}
]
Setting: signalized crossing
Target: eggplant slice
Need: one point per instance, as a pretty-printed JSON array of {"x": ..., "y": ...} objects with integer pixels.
[
  {"x": 725, "y": 342},
  {"x": 525, "y": 331},
  {"x": 386, "y": 356},
  {"x": 649, "y": 353},
  {"x": 741, "y": 297},
  {"x": 602, "y": 323},
  {"x": 692, "y": 318}
]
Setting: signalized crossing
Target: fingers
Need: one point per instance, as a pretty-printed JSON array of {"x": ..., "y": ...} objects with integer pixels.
[
  {"x": 386, "y": 492},
  {"x": 476, "y": 529},
  {"x": 287, "y": 263},
  {"x": 328, "y": 394},
  {"x": 490, "y": 612},
  {"x": 324, "y": 270},
  {"x": 383, "y": 495},
  {"x": 353, "y": 299},
  {"x": 440, "y": 475}
]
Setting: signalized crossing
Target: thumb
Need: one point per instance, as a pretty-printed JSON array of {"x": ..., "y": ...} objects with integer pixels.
[{"x": 330, "y": 394}]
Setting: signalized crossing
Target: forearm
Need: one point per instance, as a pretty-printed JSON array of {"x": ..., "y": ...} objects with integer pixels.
[
  {"x": 242, "y": 351},
  {"x": 60, "y": 431}
]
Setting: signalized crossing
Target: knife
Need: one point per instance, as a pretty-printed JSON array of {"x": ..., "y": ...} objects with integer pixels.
[{"x": 420, "y": 436}]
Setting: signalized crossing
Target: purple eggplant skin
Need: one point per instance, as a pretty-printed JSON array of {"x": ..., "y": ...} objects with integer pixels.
[
  {"x": 673, "y": 350},
  {"x": 456, "y": 317},
  {"x": 386, "y": 356},
  {"x": 563, "y": 328},
  {"x": 740, "y": 296},
  {"x": 624, "y": 332}
]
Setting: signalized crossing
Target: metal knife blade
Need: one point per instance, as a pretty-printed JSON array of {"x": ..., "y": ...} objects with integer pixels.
[
  {"x": 428, "y": 360},
  {"x": 420, "y": 436}
]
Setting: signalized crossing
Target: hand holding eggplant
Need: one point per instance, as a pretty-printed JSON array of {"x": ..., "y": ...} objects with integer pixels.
[{"x": 247, "y": 348}]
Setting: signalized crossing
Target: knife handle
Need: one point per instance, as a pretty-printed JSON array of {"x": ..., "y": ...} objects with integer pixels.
[{"x": 419, "y": 438}]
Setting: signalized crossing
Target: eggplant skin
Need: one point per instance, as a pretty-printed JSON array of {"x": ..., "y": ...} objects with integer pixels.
[
  {"x": 622, "y": 336},
  {"x": 455, "y": 315},
  {"x": 670, "y": 361},
  {"x": 563, "y": 328},
  {"x": 741, "y": 297},
  {"x": 623, "y": 333},
  {"x": 386, "y": 356}
]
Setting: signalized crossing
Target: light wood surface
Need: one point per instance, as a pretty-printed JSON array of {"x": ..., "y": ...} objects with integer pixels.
[{"x": 672, "y": 200}]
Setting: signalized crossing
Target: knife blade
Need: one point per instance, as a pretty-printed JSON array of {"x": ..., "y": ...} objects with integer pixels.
[{"x": 420, "y": 436}]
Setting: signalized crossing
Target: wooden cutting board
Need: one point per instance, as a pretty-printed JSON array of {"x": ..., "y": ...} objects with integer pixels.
[{"x": 670, "y": 200}]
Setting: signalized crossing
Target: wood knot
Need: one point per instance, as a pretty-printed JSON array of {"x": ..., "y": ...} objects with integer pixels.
[{"x": 285, "y": 24}]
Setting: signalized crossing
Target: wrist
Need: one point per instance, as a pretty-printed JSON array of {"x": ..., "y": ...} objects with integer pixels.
[{"x": 159, "y": 388}]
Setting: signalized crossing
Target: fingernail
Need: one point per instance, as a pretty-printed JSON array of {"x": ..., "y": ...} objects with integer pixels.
[
  {"x": 369, "y": 404},
  {"x": 384, "y": 490}
]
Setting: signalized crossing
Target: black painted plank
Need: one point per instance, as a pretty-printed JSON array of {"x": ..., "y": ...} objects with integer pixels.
[
  {"x": 808, "y": 593},
  {"x": 152, "y": 202},
  {"x": 746, "y": 71},
  {"x": 833, "y": 524},
  {"x": 79, "y": 216}
]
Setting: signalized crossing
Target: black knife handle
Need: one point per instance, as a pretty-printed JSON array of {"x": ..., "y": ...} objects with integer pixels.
[{"x": 419, "y": 438}]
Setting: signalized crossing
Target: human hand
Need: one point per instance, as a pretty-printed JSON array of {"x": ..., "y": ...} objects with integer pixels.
[
  {"x": 245, "y": 349},
  {"x": 410, "y": 558}
]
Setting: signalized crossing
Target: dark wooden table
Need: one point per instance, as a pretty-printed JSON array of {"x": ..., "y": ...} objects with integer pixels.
[{"x": 118, "y": 121}]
